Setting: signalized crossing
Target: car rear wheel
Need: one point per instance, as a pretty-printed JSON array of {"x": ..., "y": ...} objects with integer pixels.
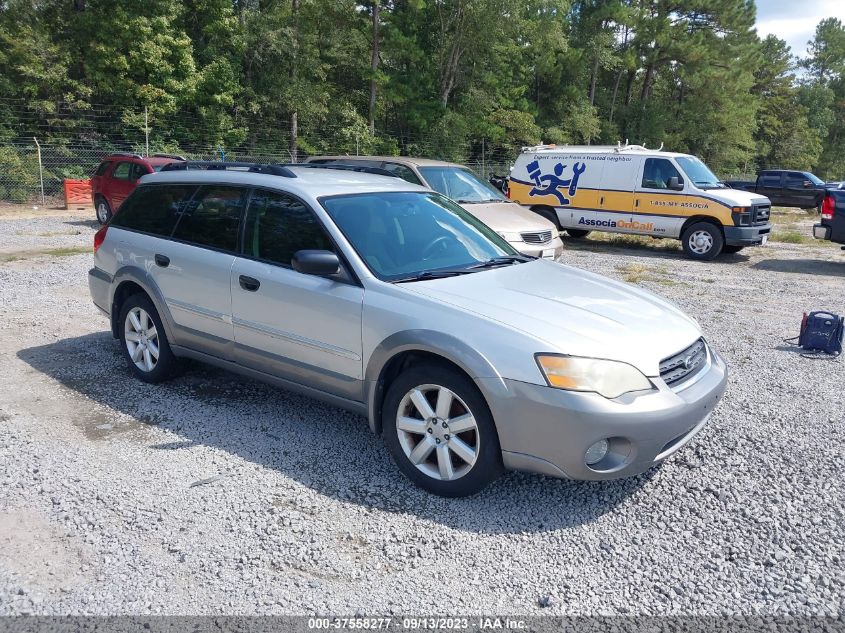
[
  {"x": 577, "y": 233},
  {"x": 103, "y": 211},
  {"x": 440, "y": 432},
  {"x": 702, "y": 241},
  {"x": 144, "y": 341}
]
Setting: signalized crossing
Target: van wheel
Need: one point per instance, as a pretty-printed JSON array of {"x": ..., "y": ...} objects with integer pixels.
[
  {"x": 103, "y": 210},
  {"x": 549, "y": 214},
  {"x": 702, "y": 240},
  {"x": 144, "y": 341},
  {"x": 731, "y": 249},
  {"x": 440, "y": 432},
  {"x": 577, "y": 233}
]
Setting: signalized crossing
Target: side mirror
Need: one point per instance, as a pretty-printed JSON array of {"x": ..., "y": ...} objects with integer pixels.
[
  {"x": 319, "y": 263},
  {"x": 675, "y": 184},
  {"x": 807, "y": 184}
]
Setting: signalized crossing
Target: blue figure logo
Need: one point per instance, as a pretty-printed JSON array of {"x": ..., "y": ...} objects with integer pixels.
[{"x": 550, "y": 184}]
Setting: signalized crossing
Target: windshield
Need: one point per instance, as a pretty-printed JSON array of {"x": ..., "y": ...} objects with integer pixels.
[
  {"x": 699, "y": 173},
  {"x": 460, "y": 184},
  {"x": 401, "y": 235},
  {"x": 814, "y": 179}
]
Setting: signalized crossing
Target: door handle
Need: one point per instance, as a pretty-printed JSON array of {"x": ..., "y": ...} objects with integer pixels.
[
  {"x": 162, "y": 260},
  {"x": 249, "y": 283},
  {"x": 637, "y": 202},
  {"x": 601, "y": 200}
]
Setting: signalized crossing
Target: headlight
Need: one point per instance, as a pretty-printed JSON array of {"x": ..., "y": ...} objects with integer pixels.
[
  {"x": 510, "y": 237},
  {"x": 609, "y": 378}
]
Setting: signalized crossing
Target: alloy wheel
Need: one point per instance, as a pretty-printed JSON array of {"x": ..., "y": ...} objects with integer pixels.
[
  {"x": 102, "y": 212},
  {"x": 141, "y": 339},
  {"x": 437, "y": 432}
]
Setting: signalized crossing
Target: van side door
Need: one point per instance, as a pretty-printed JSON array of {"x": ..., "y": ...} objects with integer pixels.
[
  {"x": 302, "y": 328},
  {"x": 659, "y": 210}
]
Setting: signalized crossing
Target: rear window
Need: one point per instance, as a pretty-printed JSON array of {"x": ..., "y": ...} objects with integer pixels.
[
  {"x": 153, "y": 209},
  {"x": 212, "y": 218},
  {"x": 103, "y": 168}
]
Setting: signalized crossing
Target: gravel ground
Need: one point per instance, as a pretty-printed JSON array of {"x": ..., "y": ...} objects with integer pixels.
[{"x": 216, "y": 494}]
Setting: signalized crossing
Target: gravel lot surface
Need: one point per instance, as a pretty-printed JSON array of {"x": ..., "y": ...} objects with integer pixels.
[{"x": 216, "y": 494}]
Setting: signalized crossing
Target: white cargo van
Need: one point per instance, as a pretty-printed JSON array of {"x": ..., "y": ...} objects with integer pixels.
[{"x": 631, "y": 189}]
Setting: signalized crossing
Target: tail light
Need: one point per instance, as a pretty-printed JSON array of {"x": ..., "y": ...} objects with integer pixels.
[
  {"x": 827, "y": 207},
  {"x": 100, "y": 237}
]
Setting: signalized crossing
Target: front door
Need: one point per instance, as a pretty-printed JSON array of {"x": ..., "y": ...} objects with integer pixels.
[
  {"x": 658, "y": 210},
  {"x": 299, "y": 327}
]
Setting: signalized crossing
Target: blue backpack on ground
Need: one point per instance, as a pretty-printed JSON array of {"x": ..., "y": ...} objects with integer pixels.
[{"x": 821, "y": 333}]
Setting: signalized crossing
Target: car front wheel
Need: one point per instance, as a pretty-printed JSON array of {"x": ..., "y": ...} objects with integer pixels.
[
  {"x": 577, "y": 233},
  {"x": 440, "y": 432},
  {"x": 703, "y": 241}
]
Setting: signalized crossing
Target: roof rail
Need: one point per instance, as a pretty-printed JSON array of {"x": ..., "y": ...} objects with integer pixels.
[
  {"x": 209, "y": 165},
  {"x": 366, "y": 169},
  {"x": 173, "y": 156},
  {"x": 127, "y": 154}
]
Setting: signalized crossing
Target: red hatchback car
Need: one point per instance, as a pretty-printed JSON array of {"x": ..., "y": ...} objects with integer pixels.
[{"x": 117, "y": 176}]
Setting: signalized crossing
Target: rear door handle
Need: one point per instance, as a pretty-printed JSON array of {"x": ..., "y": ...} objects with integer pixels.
[
  {"x": 162, "y": 260},
  {"x": 249, "y": 283}
]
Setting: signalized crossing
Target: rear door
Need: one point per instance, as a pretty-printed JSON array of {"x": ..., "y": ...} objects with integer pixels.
[
  {"x": 770, "y": 184},
  {"x": 199, "y": 258},
  {"x": 299, "y": 327},
  {"x": 121, "y": 183}
]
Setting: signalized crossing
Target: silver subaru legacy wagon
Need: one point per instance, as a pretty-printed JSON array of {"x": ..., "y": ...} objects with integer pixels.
[{"x": 391, "y": 300}]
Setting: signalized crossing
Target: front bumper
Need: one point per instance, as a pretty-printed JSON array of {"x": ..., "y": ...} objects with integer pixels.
[
  {"x": 747, "y": 235},
  {"x": 549, "y": 250},
  {"x": 547, "y": 430},
  {"x": 821, "y": 232}
]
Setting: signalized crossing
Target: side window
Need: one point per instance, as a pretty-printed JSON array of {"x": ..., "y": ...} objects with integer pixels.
[
  {"x": 212, "y": 218},
  {"x": 657, "y": 172},
  {"x": 137, "y": 171},
  {"x": 405, "y": 173},
  {"x": 153, "y": 209},
  {"x": 278, "y": 225},
  {"x": 103, "y": 168},
  {"x": 122, "y": 171},
  {"x": 795, "y": 180},
  {"x": 771, "y": 181}
]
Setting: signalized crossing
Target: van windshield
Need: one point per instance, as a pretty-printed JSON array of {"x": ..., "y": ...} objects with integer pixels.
[
  {"x": 460, "y": 184},
  {"x": 412, "y": 236},
  {"x": 699, "y": 173}
]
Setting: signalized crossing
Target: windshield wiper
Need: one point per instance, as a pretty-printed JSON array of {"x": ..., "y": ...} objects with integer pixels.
[
  {"x": 504, "y": 260},
  {"x": 433, "y": 274}
]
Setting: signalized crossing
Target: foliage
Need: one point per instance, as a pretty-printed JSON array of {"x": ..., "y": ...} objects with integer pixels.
[{"x": 449, "y": 78}]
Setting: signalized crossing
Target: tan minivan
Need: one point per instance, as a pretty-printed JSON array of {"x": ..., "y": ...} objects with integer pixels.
[{"x": 524, "y": 230}]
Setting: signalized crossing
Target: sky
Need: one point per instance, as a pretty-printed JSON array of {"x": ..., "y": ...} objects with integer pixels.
[{"x": 794, "y": 21}]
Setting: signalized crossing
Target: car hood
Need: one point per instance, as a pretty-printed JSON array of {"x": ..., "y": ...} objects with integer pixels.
[
  {"x": 509, "y": 217},
  {"x": 736, "y": 197},
  {"x": 571, "y": 311}
]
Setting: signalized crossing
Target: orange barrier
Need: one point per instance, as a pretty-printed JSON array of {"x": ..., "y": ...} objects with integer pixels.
[{"x": 77, "y": 193}]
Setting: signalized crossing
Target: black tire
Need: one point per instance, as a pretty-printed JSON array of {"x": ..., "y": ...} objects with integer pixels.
[
  {"x": 102, "y": 208},
  {"x": 549, "y": 214},
  {"x": 727, "y": 248},
  {"x": 577, "y": 233},
  {"x": 487, "y": 464},
  {"x": 166, "y": 365},
  {"x": 711, "y": 244}
]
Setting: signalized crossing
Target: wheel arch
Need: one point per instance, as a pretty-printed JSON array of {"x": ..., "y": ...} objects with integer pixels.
[
  {"x": 129, "y": 281},
  {"x": 702, "y": 218},
  {"x": 404, "y": 349}
]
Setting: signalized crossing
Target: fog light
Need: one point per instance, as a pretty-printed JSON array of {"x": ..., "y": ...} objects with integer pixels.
[{"x": 596, "y": 452}]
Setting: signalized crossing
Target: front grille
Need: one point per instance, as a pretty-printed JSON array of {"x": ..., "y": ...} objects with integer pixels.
[
  {"x": 538, "y": 237},
  {"x": 761, "y": 214},
  {"x": 685, "y": 364}
]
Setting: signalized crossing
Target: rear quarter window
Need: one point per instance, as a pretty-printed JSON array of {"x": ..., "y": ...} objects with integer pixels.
[{"x": 153, "y": 209}]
